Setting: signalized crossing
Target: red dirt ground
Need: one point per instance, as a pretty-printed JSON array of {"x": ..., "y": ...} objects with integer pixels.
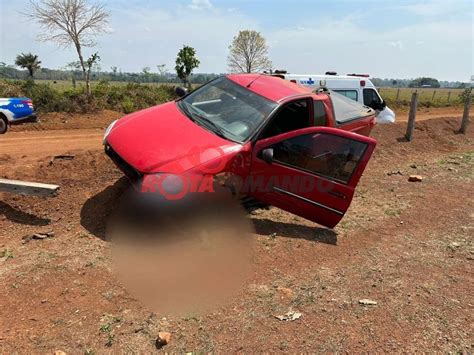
[{"x": 408, "y": 246}]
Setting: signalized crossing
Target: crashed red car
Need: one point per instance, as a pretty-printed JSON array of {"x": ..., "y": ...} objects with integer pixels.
[{"x": 286, "y": 146}]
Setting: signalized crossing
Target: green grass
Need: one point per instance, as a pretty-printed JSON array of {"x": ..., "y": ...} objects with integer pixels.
[{"x": 107, "y": 328}]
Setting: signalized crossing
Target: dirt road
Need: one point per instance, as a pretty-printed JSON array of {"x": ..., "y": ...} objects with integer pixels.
[
  {"x": 44, "y": 143},
  {"x": 424, "y": 113}
]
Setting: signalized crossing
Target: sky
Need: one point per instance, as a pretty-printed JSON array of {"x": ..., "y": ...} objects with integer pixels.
[{"x": 384, "y": 38}]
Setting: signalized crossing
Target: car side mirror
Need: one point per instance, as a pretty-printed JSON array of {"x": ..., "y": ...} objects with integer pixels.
[
  {"x": 267, "y": 155},
  {"x": 180, "y": 91},
  {"x": 378, "y": 105}
]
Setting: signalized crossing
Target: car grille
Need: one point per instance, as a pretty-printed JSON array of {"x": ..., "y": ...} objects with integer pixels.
[{"x": 126, "y": 168}]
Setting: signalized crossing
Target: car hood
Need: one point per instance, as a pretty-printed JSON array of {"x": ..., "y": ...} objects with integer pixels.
[{"x": 162, "y": 139}]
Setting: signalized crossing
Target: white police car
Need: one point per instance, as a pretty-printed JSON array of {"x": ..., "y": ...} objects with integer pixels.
[
  {"x": 16, "y": 110},
  {"x": 357, "y": 87}
]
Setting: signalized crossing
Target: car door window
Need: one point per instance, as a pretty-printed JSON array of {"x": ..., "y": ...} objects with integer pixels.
[
  {"x": 294, "y": 115},
  {"x": 371, "y": 98},
  {"x": 326, "y": 155},
  {"x": 351, "y": 94}
]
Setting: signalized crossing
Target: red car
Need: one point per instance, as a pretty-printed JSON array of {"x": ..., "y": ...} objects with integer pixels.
[{"x": 284, "y": 145}]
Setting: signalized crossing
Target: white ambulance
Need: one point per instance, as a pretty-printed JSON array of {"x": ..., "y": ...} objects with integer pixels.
[{"x": 357, "y": 87}]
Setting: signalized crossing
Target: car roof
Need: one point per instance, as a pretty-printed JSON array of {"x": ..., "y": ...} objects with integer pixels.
[{"x": 273, "y": 88}]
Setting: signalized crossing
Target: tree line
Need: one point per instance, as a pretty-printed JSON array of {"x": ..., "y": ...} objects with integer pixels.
[
  {"x": 114, "y": 74},
  {"x": 13, "y": 73}
]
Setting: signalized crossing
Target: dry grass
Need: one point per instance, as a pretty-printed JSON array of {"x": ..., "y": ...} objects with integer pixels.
[{"x": 427, "y": 97}]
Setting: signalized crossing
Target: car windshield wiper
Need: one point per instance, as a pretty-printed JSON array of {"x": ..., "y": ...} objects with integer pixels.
[
  {"x": 205, "y": 121},
  {"x": 183, "y": 105},
  {"x": 212, "y": 126}
]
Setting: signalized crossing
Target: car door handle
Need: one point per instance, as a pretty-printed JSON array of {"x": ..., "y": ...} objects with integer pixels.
[{"x": 338, "y": 194}]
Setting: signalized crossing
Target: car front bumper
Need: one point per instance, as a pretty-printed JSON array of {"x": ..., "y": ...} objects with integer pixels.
[{"x": 125, "y": 167}]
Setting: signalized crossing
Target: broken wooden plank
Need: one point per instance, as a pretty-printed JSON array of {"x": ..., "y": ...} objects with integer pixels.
[{"x": 28, "y": 188}]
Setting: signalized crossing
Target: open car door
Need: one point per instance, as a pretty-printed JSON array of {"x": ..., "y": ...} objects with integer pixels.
[{"x": 311, "y": 172}]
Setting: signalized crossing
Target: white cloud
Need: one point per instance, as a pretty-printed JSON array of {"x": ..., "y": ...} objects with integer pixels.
[
  {"x": 397, "y": 44},
  {"x": 435, "y": 8},
  {"x": 200, "y": 5}
]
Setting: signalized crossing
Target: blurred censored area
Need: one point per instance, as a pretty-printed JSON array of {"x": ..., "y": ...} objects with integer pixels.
[{"x": 184, "y": 255}]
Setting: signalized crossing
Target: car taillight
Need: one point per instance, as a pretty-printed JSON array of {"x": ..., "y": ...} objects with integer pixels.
[{"x": 28, "y": 102}]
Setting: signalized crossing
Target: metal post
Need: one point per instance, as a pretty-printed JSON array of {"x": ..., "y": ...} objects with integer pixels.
[
  {"x": 412, "y": 117},
  {"x": 465, "y": 116}
]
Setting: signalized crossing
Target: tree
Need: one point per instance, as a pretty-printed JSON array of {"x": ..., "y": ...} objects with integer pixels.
[
  {"x": 420, "y": 82},
  {"x": 162, "y": 69},
  {"x": 28, "y": 61},
  {"x": 71, "y": 22},
  {"x": 248, "y": 53},
  {"x": 146, "y": 71},
  {"x": 73, "y": 67},
  {"x": 92, "y": 64},
  {"x": 186, "y": 62}
]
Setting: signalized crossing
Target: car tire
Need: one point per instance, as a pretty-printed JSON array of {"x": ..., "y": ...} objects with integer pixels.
[{"x": 3, "y": 124}]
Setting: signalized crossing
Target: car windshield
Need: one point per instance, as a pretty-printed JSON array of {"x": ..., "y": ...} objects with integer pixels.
[{"x": 227, "y": 109}]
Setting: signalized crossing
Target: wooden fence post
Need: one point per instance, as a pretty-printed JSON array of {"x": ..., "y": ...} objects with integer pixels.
[
  {"x": 465, "y": 116},
  {"x": 449, "y": 97},
  {"x": 412, "y": 117},
  {"x": 434, "y": 94},
  {"x": 398, "y": 95}
]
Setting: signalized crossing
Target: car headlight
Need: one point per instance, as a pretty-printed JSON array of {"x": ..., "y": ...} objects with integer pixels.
[{"x": 107, "y": 131}]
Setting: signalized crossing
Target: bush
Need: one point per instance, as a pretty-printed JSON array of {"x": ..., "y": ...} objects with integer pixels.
[
  {"x": 464, "y": 95},
  {"x": 123, "y": 98},
  {"x": 128, "y": 106},
  {"x": 8, "y": 89}
]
